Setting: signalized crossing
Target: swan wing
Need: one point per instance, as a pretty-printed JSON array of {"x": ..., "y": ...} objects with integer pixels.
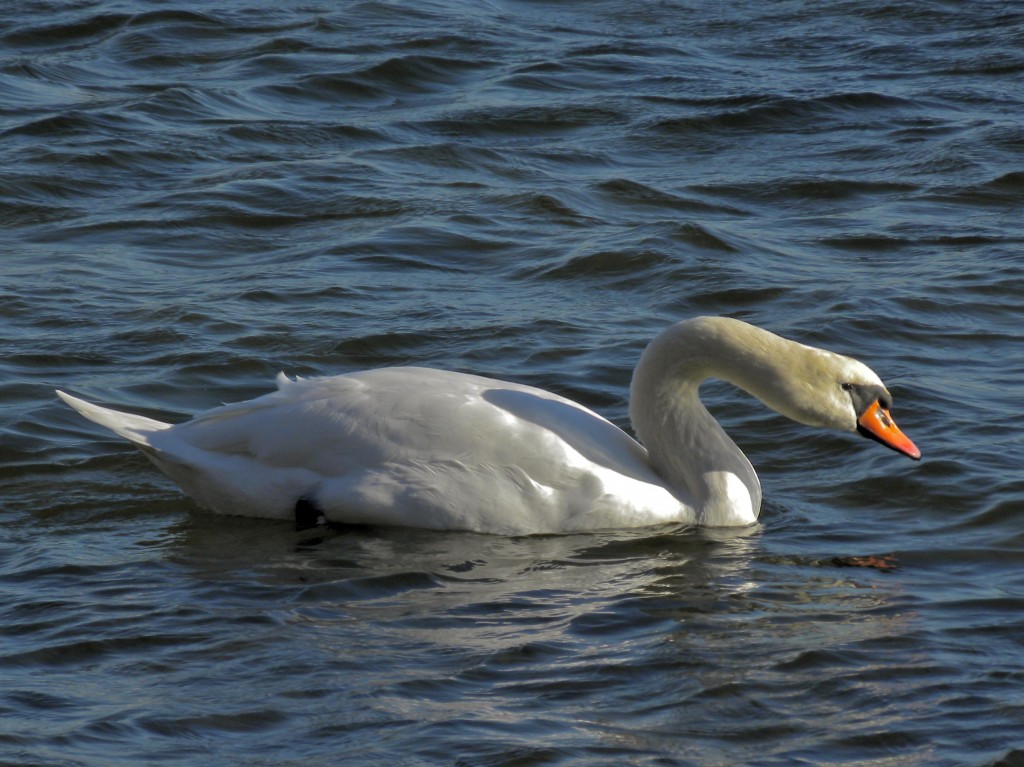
[{"x": 422, "y": 447}]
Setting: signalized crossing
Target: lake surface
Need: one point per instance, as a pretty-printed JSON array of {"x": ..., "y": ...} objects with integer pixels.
[{"x": 194, "y": 197}]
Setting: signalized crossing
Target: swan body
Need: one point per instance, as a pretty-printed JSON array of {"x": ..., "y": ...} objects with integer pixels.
[{"x": 449, "y": 451}]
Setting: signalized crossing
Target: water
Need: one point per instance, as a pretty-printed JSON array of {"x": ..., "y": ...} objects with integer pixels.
[{"x": 193, "y": 198}]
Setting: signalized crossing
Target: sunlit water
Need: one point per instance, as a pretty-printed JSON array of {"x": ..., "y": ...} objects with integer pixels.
[{"x": 195, "y": 197}]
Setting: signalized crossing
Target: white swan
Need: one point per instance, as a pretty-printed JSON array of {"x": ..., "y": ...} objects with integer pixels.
[{"x": 448, "y": 451}]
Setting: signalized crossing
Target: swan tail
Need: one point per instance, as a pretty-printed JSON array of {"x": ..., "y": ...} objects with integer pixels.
[{"x": 134, "y": 428}]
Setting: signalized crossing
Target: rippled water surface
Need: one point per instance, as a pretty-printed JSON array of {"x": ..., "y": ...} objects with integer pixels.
[{"x": 195, "y": 196}]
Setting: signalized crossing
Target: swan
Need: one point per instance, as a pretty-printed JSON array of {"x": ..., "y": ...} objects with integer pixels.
[{"x": 442, "y": 450}]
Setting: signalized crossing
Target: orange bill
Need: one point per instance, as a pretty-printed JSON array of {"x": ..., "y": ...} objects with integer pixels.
[{"x": 877, "y": 424}]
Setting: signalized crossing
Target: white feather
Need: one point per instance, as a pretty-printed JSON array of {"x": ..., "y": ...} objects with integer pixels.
[{"x": 442, "y": 450}]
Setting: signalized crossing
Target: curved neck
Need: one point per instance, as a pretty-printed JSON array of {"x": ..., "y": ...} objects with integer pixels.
[{"x": 685, "y": 444}]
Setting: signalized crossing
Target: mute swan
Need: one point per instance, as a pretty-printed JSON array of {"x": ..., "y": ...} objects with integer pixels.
[{"x": 449, "y": 451}]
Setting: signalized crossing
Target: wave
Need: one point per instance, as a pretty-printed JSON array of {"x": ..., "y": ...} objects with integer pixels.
[{"x": 771, "y": 113}]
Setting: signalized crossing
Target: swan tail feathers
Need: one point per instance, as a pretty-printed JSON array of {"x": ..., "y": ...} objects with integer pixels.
[{"x": 134, "y": 428}]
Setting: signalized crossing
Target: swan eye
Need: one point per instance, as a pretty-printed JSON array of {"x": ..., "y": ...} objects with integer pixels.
[{"x": 864, "y": 395}]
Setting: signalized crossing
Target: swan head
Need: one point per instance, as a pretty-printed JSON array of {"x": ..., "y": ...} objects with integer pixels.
[
  {"x": 821, "y": 388},
  {"x": 809, "y": 385}
]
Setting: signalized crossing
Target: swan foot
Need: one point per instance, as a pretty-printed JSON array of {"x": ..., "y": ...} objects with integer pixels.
[{"x": 307, "y": 515}]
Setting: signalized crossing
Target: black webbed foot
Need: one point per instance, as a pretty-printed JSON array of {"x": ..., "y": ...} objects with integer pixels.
[{"x": 307, "y": 515}]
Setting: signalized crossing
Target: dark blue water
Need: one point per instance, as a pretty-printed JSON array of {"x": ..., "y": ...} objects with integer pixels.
[{"x": 193, "y": 198}]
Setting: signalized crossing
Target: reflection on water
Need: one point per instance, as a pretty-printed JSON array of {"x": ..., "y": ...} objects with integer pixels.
[{"x": 595, "y": 633}]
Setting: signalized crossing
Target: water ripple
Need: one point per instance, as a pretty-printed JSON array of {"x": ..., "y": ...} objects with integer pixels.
[{"x": 195, "y": 199}]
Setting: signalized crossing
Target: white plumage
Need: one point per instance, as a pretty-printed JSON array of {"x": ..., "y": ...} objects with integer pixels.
[{"x": 442, "y": 450}]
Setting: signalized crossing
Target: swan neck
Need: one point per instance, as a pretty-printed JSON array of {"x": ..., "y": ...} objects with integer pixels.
[{"x": 685, "y": 444}]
